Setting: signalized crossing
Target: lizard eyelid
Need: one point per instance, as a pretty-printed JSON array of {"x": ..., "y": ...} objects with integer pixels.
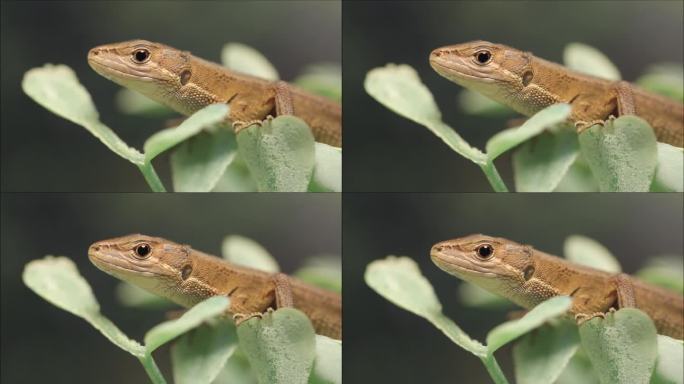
[{"x": 483, "y": 57}]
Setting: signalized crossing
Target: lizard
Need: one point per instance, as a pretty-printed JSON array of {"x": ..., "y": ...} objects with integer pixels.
[
  {"x": 528, "y": 277},
  {"x": 528, "y": 84},
  {"x": 187, "y": 83},
  {"x": 187, "y": 276}
]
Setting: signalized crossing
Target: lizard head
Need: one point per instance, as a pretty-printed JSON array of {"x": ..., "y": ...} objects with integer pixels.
[
  {"x": 152, "y": 69},
  {"x": 151, "y": 263},
  {"x": 494, "y": 70},
  {"x": 493, "y": 263}
]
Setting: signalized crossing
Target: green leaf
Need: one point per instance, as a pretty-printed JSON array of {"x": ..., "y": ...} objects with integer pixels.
[
  {"x": 399, "y": 88},
  {"x": 511, "y": 330},
  {"x": 134, "y": 103},
  {"x": 586, "y": 59},
  {"x": 475, "y": 103},
  {"x": 279, "y": 153},
  {"x": 473, "y": 296},
  {"x": 670, "y": 171},
  {"x": 245, "y": 59},
  {"x": 322, "y": 271},
  {"x": 664, "y": 271},
  {"x": 170, "y": 137},
  {"x": 540, "y": 164},
  {"x": 665, "y": 79},
  {"x": 669, "y": 368},
  {"x": 56, "y": 88},
  {"x": 169, "y": 330},
  {"x": 199, "y": 356},
  {"x": 586, "y": 251},
  {"x": 132, "y": 296},
  {"x": 200, "y": 162},
  {"x": 578, "y": 370},
  {"x": 244, "y": 251},
  {"x": 328, "y": 365},
  {"x": 236, "y": 371},
  {"x": 512, "y": 137},
  {"x": 327, "y": 174},
  {"x": 236, "y": 178},
  {"x": 541, "y": 356},
  {"x": 622, "y": 347},
  {"x": 323, "y": 79},
  {"x": 57, "y": 280},
  {"x": 622, "y": 154},
  {"x": 281, "y": 346},
  {"x": 578, "y": 178},
  {"x": 399, "y": 280}
]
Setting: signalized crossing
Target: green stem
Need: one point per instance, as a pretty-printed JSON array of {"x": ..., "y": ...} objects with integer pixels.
[
  {"x": 493, "y": 177},
  {"x": 494, "y": 370},
  {"x": 151, "y": 177},
  {"x": 151, "y": 368}
]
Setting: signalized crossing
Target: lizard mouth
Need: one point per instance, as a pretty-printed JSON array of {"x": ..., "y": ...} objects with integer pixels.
[
  {"x": 114, "y": 71},
  {"x": 456, "y": 69},
  {"x": 113, "y": 264},
  {"x": 457, "y": 264}
]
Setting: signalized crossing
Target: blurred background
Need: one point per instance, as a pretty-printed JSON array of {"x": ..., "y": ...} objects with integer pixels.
[
  {"x": 386, "y": 152},
  {"x": 43, "y": 152},
  {"x": 42, "y": 343},
  {"x": 385, "y": 344}
]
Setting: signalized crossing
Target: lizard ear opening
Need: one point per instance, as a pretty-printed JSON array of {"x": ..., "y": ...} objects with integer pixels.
[
  {"x": 527, "y": 77},
  {"x": 185, "y": 76},
  {"x": 529, "y": 272},
  {"x": 186, "y": 271}
]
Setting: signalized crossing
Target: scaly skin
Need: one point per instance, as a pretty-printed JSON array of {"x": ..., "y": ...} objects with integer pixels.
[
  {"x": 187, "y": 277},
  {"x": 187, "y": 84},
  {"x": 529, "y": 84},
  {"x": 528, "y": 277}
]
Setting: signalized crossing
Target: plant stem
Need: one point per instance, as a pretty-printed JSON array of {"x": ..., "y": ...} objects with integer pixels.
[
  {"x": 151, "y": 368},
  {"x": 494, "y": 370},
  {"x": 493, "y": 177},
  {"x": 151, "y": 177}
]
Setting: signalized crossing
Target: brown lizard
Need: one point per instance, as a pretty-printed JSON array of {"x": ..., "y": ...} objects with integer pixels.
[
  {"x": 528, "y": 277},
  {"x": 186, "y": 277},
  {"x": 187, "y": 83},
  {"x": 529, "y": 84}
]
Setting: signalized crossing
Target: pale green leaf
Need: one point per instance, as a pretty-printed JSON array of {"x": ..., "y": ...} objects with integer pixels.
[
  {"x": 473, "y": 296},
  {"x": 236, "y": 178},
  {"x": 199, "y": 356},
  {"x": 328, "y": 365},
  {"x": 512, "y": 137},
  {"x": 322, "y": 271},
  {"x": 200, "y": 162},
  {"x": 540, "y": 164},
  {"x": 669, "y": 368},
  {"x": 670, "y": 171},
  {"x": 511, "y": 330},
  {"x": 281, "y": 346},
  {"x": 399, "y": 280},
  {"x": 665, "y": 271},
  {"x": 475, "y": 103},
  {"x": 622, "y": 154},
  {"x": 169, "y": 330},
  {"x": 578, "y": 178},
  {"x": 622, "y": 347},
  {"x": 586, "y": 59},
  {"x": 399, "y": 88},
  {"x": 170, "y": 137},
  {"x": 280, "y": 154},
  {"x": 245, "y": 59},
  {"x": 134, "y": 103},
  {"x": 541, "y": 355},
  {"x": 666, "y": 79},
  {"x": 56, "y": 88},
  {"x": 133, "y": 296},
  {"x": 327, "y": 174},
  {"x": 244, "y": 251},
  {"x": 57, "y": 280},
  {"x": 586, "y": 251},
  {"x": 323, "y": 79},
  {"x": 578, "y": 370}
]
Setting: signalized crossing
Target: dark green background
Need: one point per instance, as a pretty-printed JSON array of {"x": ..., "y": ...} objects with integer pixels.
[
  {"x": 385, "y": 152},
  {"x": 42, "y": 152},
  {"x": 385, "y": 344},
  {"x": 42, "y": 343}
]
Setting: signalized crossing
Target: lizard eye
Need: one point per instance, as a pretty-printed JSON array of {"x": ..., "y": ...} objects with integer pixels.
[
  {"x": 484, "y": 251},
  {"x": 141, "y": 56},
  {"x": 483, "y": 57},
  {"x": 143, "y": 250}
]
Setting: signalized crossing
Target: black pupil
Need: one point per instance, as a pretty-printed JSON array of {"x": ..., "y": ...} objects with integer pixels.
[
  {"x": 141, "y": 55},
  {"x": 484, "y": 250},
  {"x": 142, "y": 250},
  {"x": 483, "y": 57}
]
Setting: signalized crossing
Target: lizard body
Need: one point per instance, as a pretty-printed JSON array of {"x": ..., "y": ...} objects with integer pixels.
[
  {"x": 529, "y": 84},
  {"x": 186, "y": 277},
  {"x": 187, "y": 84},
  {"x": 528, "y": 277}
]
